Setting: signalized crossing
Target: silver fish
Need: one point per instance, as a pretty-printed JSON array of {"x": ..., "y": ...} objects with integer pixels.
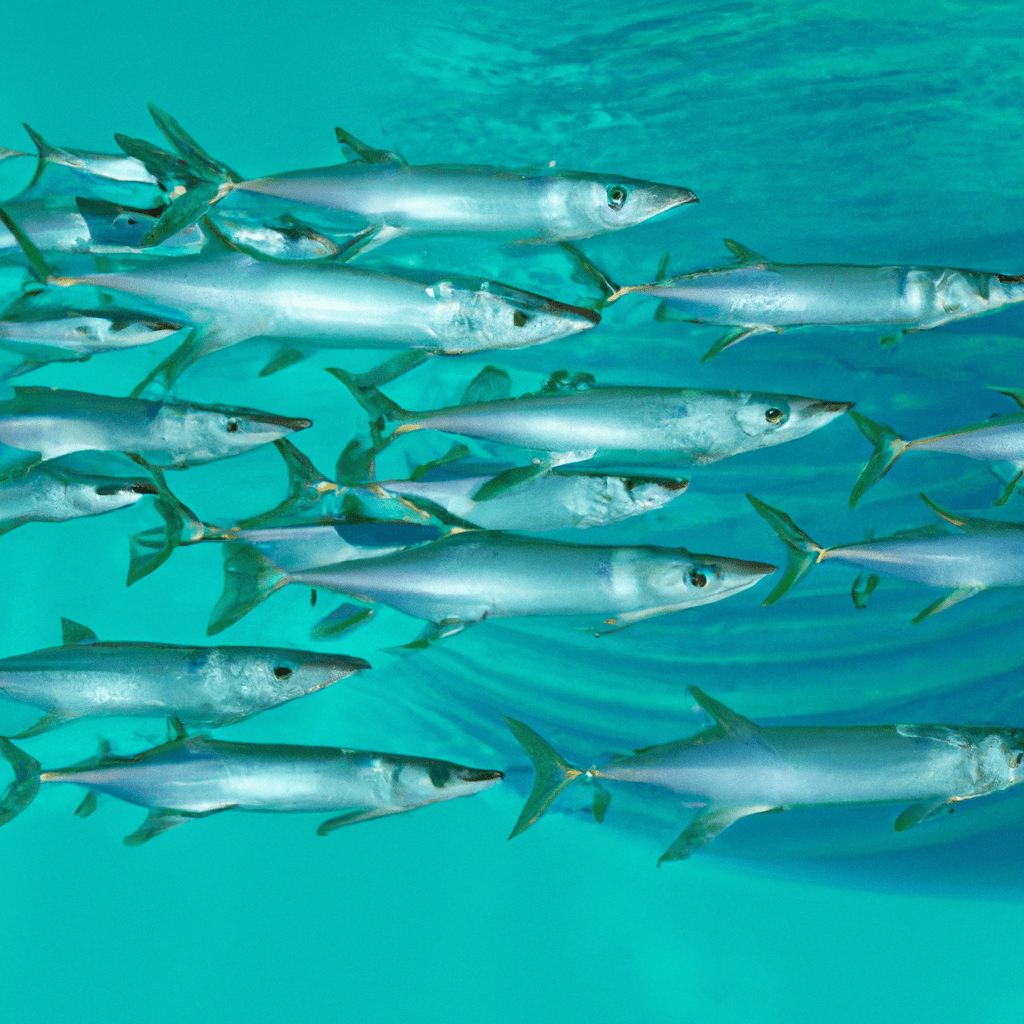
[
  {"x": 177, "y": 434},
  {"x": 227, "y": 296},
  {"x": 199, "y": 686},
  {"x": 468, "y": 576},
  {"x": 379, "y": 188},
  {"x": 547, "y": 501},
  {"x": 619, "y": 429},
  {"x": 194, "y": 777},
  {"x": 739, "y": 768},
  {"x": 759, "y": 296},
  {"x": 980, "y": 555},
  {"x": 1000, "y": 439},
  {"x": 52, "y": 493},
  {"x": 74, "y": 338}
]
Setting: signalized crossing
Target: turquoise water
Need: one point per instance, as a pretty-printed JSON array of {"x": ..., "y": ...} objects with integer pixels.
[{"x": 811, "y": 132}]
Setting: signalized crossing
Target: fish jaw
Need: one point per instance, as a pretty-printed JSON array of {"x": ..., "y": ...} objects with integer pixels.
[
  {"x": 595, "y": 203},
  {"x": 768, "y": 420}
]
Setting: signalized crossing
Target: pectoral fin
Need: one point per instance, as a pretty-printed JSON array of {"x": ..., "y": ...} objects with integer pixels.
[
  {"x": 938, "y": 733},
  {"x": 163, "y": 819},
  {"x": 489, "y": 385},
  {"x": 863, "y": 590},
  {"x": 281, "y": 360},
  {"x": 44, "y": 724},
  {"x": 917, "y": 813},
  {"x": 732, "y": 337},
  {"x": 87, "y": 806},
  {"x": 706, "y": 826},
  {"x": 602, "y": 798},
  {"x": 952, "y": 598},
  {"x": 508, "y": 480},
  {"x": 432, "y": 634},
  {"x": 354, "y": 817},
  {"x": 341, "y": 620}
]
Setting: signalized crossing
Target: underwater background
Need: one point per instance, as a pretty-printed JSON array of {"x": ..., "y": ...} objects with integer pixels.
[{"x": 812, "y": 132}]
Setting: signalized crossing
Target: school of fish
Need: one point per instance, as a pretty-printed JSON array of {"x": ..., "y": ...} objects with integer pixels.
[{"x": 156, "y": 243}]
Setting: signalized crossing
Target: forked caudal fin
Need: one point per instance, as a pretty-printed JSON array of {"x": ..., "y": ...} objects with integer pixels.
[
  {"x": 889, "y": 446},
  {"x": 553, "y": 774},
  {"x": 249, "y": 579},
  {"x": 804, "y": 553},
  {"x": 22, "y": 791},
  {"x": 377, "y": 405}
]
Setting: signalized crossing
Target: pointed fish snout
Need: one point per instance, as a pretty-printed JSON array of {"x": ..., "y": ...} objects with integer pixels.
[
  {"x": 683, "y": 196},
  {"x": 481, "y": 775},
  {"x": 564, "y": 309},
  {"x": 836, "y": 407},
  {"x": 290, "y": 424},
  {"x": 757, "y": 569},
  {"x": 143, "y": 487}
]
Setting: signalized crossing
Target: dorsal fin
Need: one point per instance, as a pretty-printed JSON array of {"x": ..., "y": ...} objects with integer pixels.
[
  {"x": 489, "y": 385},
  {"x": 744, "y": 254},
  {"x": 46, "y": 151},
  {"x": 662, "y": 273},
  {"x": 1015, "y": 394},
  {"x": 360, "y": 151},
  {"x": 735, "y": 726},
  {"x": 75, "y": 633},
  {"x": 38, "y": 265}
]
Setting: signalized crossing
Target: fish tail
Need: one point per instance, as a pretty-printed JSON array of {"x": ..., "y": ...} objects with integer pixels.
[
  {"x": 149, "y": 549},
  {"x": 37, "y": 265},
  {"x": 553, "y": 774},
  {"x": 804, "y": 553},
  {"x": 249, "y": 579},
  {"x": 199, "y": 161},
  {"x": 889, "y": 446},
  {"x": 377, "y": 405},
  {"x": 588, "y": 272},
  {"x": 22, "y": 791}
]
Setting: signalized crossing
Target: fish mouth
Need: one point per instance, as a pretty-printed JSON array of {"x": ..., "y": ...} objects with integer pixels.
[
  {"x": 143, "y": 487},
  {"x": 288, "y": 423},
  {"x": 738, "y": 574},
  {"x": 592, "y": 317},
  {"x": 836, "y": 407},
  {"x": 481, "y": 775},
  {"x": 352, "y": 665},
  {"x": 683, "y": 197}
]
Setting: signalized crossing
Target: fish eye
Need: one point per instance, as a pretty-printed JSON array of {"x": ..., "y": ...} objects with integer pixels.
[
  {"x": 519, "y": 318},
  {"x": 617, "y": 196},
  {"x": 1017, "y": 760},
  {"x": 232, "y": 426},
  {"x": 282, "y": 671},
  {"x": 698, "y": 579},
  {"x": 774, "y": 415}
]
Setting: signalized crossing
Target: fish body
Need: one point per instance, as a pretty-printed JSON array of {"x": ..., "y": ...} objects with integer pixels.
[
  {"x": 468, "y": 576},
  {"x": 199, "y": 686},
  {"x": 193, "y": 777},
  {"x": 621, "y": 427},
  {"x": 550, "y": 501},
  {"x": 200, "y": 774},
  {"x": 738, "y": 768},
  {"x": 166, "y": 434},
  {"x": 541, "y": 206},
  {"x": 52, "y": 493},
  {"x": 231, "y": 296}
]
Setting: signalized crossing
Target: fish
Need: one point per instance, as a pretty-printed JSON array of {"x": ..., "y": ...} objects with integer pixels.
[
  {"x": 999, "y": 439},
  {"x": 193, "y": 777},
  {"x": 982, "y": 554},
  {"x": 759, "y": 296},
  {"x": 169, "y": 434},
  {"x": 465, "y": 577},
  {"x": 378, "y": 189},
  {"x": 617, "y": 428},
  {"x": 738, "y": 768},
  {"x": 540, "y": 502},
  {"x": 207, "y": 687},
  {"x": 50, "y": 492},
  {"x": 226, "y": 296},
  {"x": 66, "y": 336}
]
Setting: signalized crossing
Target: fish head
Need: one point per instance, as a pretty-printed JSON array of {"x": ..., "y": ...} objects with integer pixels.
[
  {"x": 964, "y": 293},
  {"x": 424, "y": 780},
  {"x": 1000, "y": 759},
  {"x": 210, "y": 432},
  {"x": 290, "y": 674},
  {"x": 687, "y": 579},
  {"x": 86, "y": 333},
  {"x": 478, "y": 316},
  {"x": 594, "y": 203},
  {"x": 766, "y": 420},
  {"x": 87, "y": 495}
]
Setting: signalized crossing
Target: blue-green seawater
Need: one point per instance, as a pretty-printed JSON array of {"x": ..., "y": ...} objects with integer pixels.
[{"x": 812, "y": 132}]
